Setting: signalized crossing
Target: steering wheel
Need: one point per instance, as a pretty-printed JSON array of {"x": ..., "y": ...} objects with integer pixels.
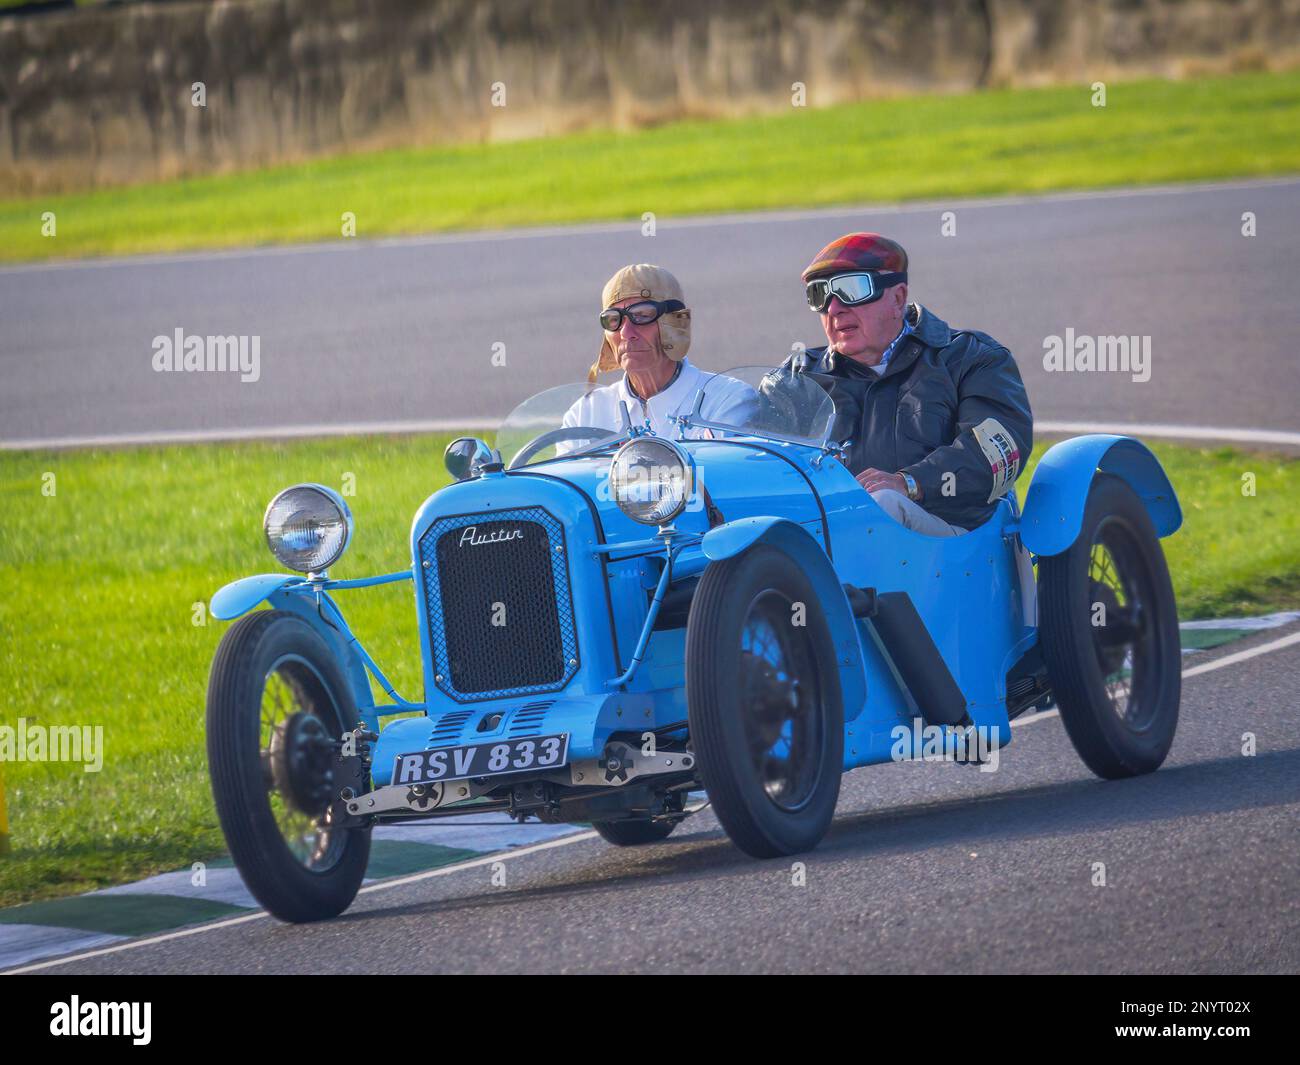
[{"x": 557, "y": 436}]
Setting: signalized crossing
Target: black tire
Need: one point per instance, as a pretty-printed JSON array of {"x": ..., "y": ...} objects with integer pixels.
[
  {"x": 735, "y": 702},
  {"x": 1117, "y": 683},
  {"x": 258, "y": 654},
  {"x": 634, "y": 833}
]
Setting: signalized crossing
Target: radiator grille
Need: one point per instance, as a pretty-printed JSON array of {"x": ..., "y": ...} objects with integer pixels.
[{"x": 499, "y": 609}]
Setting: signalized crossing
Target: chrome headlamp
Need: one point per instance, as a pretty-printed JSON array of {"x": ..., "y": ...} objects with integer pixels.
[
  {"x": 651, "y": 480},
  {"x": 308, "y": 527}
]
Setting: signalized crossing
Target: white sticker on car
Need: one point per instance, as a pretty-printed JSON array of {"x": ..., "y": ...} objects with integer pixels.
[{"x": 1002, "y": 452}]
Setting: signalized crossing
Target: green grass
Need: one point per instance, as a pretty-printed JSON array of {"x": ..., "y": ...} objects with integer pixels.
[
  {"x": 920, "y": 147},
  {"x": 101, "y": 579}
]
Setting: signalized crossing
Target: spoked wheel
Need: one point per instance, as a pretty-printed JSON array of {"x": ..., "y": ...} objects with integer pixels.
[
  {"x": 778, "y": 688},
  {"x": 1110, "y": 636},
  {"x": 297, "y": 756},
  {"x": 764, "y": 702},
  {"x": 277, "y": 704}
]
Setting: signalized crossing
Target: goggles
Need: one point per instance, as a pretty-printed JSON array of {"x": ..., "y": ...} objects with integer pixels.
[
  {"x": 611, "y": 318},
  {"x": 851, "y": 289}
]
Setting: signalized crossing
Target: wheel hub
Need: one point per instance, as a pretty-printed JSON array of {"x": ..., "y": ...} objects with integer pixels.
[
  {"x": 1115, "y": 636},
  {"x": 302, "y": 763},
  {"x": 775, "y": 698}
]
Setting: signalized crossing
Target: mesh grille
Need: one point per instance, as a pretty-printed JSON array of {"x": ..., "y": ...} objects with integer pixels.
[{"x": 500, "y": 615}]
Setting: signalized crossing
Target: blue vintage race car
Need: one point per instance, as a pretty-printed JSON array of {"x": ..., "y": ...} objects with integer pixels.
[{"x": 611, "y": 620}]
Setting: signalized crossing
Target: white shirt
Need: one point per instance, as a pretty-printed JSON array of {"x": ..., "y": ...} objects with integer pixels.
[{"x": 725, "y": 400}]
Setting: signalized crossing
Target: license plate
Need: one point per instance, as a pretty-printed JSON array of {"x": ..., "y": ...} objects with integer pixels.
[{"x": 482, "y": 759}]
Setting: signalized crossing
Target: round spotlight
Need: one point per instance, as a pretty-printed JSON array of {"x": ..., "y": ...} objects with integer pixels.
[
  {"x": 308, "y": 527},
  {"x": 651, "y": 480}
]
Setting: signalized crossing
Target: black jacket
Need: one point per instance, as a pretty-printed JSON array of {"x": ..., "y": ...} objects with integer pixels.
[{"x": 949, "y": 403}]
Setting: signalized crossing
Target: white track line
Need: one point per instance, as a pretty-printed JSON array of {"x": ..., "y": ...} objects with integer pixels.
[
  {"x": 564, "y": 841},
  {"x": 230, "y": 922},
  {"x": 664, "y": 222},
  {"x": 1177, "y": 432},
  {"x": 1242, "y": 656},
  {"x": 286, "y": 432},
  {"x": 487, "y": 423},
  {"x": 1207, "y": 667}
]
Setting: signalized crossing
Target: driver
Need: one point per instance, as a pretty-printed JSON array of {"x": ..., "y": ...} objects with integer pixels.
[
  {"x": 647, "y": 333},
  {"x": 936, "y": 420}
]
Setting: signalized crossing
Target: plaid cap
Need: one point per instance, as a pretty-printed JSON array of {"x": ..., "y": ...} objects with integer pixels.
[{"x": 858, "y": 251}]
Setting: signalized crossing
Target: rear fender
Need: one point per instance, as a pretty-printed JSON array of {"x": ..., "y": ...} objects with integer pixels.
[
  {"x": 1053, "y": 512},
  {"x": 726, "y": 541}
]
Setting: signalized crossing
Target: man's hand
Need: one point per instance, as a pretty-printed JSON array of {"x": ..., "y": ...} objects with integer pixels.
[
  {"x": 872, "y": 480},
  {"x": 801, "y": 362}
]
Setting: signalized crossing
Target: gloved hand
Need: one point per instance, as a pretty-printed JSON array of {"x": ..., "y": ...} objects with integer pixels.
[{"x": 800, "y": 362}]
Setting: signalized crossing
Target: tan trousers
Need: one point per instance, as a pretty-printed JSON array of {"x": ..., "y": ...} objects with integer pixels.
[{"x": 913, "y": 515}]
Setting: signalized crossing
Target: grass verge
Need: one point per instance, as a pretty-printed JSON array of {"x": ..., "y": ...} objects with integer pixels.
[
  {"x": 882, "y": 151},
  {"x": 102, "y": 579}
]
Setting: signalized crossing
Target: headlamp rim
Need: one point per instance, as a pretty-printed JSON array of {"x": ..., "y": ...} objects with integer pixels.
[
  {"x": 334, "y": 498},
  {"x": 688, "y": 468}
]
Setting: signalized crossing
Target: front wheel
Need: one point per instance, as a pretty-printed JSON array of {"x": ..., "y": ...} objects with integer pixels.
[
  {"x": 1109, "y": 631},
  {"x": 764, "y": 702},
  {"x": 277, "y": 702}
]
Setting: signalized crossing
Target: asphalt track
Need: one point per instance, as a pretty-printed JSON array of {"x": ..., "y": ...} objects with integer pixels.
[
  {"x": 927, "y": 868},
  {"x": 360, "y": 332}
]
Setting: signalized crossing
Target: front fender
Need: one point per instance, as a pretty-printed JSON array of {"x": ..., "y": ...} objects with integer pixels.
[
  {"x": 724, "y": 541},
  {"x": 286, "y": 592},
  {"x": 1053, "y": 512},
  {"x": 731, "y": 539},
  {"x": 239, "y": 597}
]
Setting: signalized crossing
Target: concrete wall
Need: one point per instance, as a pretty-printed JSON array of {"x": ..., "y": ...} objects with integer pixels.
[{"x": 104, "y": 96}]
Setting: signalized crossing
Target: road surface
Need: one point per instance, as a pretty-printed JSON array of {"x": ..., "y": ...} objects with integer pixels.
[
  {"x": 360, "y": 332},
  {"x": 927, "y": 868}
]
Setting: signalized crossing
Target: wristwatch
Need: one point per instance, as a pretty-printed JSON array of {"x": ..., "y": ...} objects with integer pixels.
[{"x": 913, "y": 492}]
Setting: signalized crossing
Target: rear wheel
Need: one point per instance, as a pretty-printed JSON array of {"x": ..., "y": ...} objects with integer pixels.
[
  {"x": 277, "y": 702},
  {"x": 634, "y": 833},
  {"x": 1110, "y": 635},
  {"x": 764, "y": 702}
]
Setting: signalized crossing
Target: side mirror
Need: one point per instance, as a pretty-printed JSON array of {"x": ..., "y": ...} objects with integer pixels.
[{"x": 466, "y": 456}]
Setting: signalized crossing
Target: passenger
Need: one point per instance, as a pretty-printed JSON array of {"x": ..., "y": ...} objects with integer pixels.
[
  {"x": 937, "y": 420},
  {"x": 647, "y": 334}
]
